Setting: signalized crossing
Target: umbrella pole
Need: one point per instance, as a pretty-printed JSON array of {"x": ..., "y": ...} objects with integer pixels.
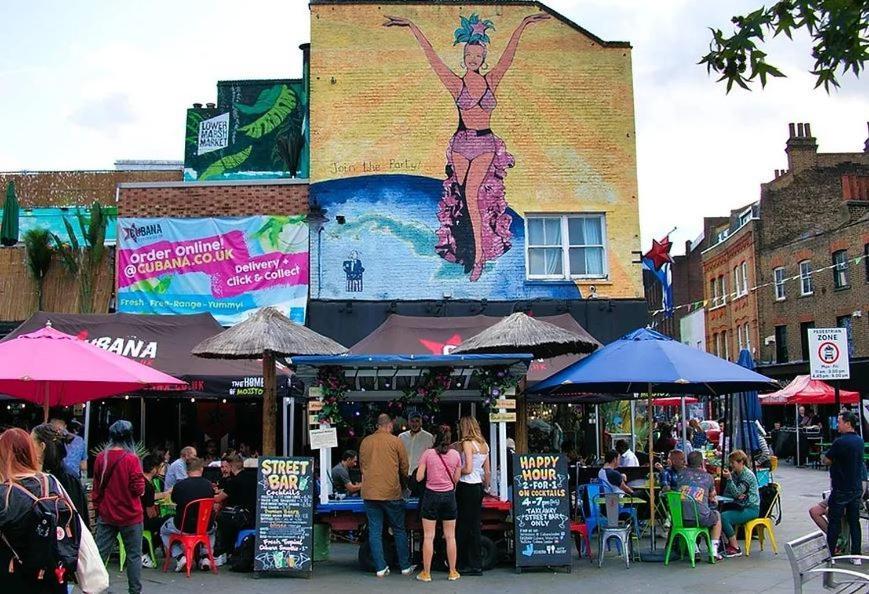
[
  {"x": 684, "y": 423},
  {"x": 654, "y": 545},
  {"x": 597, "y": 429},
  {"x": 270, "y": 404},
  {"x": 633, "y": 425},
  {"x": 797, "y": 427},
  {"x": 45, "y": 405}
]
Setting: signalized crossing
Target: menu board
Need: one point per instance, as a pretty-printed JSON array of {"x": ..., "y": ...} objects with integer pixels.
[
  {"x": 285, "y": 515},
  {"x": 541, "y": 510}
]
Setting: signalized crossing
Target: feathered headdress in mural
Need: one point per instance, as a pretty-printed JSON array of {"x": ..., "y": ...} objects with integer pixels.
[{"x": 473, "y": 30}]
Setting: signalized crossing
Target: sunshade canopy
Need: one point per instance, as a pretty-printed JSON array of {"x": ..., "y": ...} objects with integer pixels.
[
  {"x": 268, "y": 330},
  {"x": 805, "y": 390},
  {"x": 520, "y": 332},
  {"x": 645, "y": 360},
  {"x": 164, "y": 343},
  {"x": 420, "y": 335},
  {"x": 51, "y": 368}
]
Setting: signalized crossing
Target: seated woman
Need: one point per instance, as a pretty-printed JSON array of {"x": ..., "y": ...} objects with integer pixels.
[{"x": 740, "y": 484}]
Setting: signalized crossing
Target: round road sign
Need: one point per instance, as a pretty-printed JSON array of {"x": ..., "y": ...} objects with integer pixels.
[{"x": 828, "y": 352}]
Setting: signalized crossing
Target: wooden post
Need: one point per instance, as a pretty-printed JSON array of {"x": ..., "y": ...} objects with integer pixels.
[
  {"x": 270, "y": 404},
  {"x": 521, "y": 429},
  {"x": 651, "y": 470}
]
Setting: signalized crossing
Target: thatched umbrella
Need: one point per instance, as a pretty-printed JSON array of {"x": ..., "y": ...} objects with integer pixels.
[
  {"x": 267, "y": 334},
  {"x": 520, "y": 333}
]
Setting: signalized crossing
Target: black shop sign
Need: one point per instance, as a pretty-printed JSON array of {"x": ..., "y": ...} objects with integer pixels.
[
  {"x": 285, "y": 516},
  {"x": 541, "y": 510}
]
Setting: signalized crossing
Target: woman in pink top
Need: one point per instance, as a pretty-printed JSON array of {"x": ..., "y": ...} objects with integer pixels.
[{"x": 441, "y": 467}]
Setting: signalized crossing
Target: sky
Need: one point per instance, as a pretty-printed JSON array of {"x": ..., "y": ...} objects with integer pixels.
[{"x": 83, "y": 84}]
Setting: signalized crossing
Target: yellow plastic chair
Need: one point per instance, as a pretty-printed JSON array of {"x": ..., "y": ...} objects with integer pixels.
[
  {"x": 763, "y": 524},
  {"x": 122, "y": 552}
]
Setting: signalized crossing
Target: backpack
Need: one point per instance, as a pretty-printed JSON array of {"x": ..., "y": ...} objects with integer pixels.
[
  {"x": 769, "y": 505},
  {"x": 53, "y": 536},
  {"x": 242, "y": 557}
]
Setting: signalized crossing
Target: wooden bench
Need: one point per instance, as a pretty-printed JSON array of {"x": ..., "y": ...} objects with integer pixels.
[{"x": 810, "y": 559}]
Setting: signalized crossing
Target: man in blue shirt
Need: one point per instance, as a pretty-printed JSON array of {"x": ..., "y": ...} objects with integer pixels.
[
  {"x": 177, "y": 471},
  {"x": 76, "y": 458},
  {"x": 847, "y": 471}
]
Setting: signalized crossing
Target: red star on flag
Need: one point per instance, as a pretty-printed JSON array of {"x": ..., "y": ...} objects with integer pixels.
[
  {"x": 441, "y": 348},
  {"x": 660, "y": 252}
]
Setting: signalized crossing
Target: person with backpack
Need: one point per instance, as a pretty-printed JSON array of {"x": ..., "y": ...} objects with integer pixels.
[
  {"x": 441, "y": 467},
  {"x": 51, "y": 449},
  {"x": 34, "y": 511},
  {"x": 117, "y": 490}
]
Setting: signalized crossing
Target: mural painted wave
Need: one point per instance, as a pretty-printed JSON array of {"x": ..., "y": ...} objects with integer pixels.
[{"x": 379, "y": 242}]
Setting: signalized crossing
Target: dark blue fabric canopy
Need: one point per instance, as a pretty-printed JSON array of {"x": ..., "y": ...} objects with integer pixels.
[
  {"x": 645, "y": 360},
  {"x": 748, "y": 406}
]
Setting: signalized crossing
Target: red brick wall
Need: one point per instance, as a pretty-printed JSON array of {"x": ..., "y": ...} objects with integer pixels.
[{"x": 213, "y": 199}]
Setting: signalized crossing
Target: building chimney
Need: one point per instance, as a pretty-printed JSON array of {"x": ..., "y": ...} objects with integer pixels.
[
  {"x": 197, "y": 106},
  {"x": 210, "y": 105},
  {"x": 801, "y": 148}
]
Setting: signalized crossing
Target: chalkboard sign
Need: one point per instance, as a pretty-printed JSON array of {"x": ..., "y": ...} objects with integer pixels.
[
  {"x": 541, "y": 510},
  {"x": 285, "y": 515}
]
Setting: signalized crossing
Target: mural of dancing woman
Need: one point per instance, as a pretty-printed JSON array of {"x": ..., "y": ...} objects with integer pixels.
[{"x": 474, "y": 225}]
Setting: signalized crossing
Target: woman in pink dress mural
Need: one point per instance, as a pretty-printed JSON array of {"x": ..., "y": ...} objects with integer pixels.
[{"x": 474, "y": 225}]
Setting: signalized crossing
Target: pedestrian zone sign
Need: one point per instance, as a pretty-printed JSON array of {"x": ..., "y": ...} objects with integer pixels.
[{"x": 828, "y": 354}]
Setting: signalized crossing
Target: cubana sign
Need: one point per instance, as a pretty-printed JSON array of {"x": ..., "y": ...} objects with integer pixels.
[{"x": 225, "y": 266}]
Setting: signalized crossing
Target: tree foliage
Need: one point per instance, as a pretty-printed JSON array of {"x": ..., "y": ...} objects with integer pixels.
[
  {"x": 84, "y": 259},
  {"x": 37, "y": 243},
  {"x": 840, "y": 39}
]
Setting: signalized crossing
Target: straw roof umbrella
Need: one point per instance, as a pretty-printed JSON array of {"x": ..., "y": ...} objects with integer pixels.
[
  {"x": 520, "y": 333},
  {"x": 267, "y": 334}
]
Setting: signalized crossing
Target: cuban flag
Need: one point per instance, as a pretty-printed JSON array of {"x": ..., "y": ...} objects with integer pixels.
[{"x": 657, "y": 261}]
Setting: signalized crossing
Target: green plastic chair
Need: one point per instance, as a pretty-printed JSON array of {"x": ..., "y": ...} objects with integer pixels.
[
  {"x": 689, "y": 534},
  {"x": 122, "y": 552}
]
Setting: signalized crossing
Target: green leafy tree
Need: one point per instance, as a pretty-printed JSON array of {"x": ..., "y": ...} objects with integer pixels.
[
  {"x": 84, "y": 259},
  {"x": 840, "y": 36},
  {"x": 37, "y": 244}
]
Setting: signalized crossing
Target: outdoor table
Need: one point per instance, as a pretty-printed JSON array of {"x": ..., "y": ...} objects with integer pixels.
[
  {"x": 724, "y": 499},
  {"x": 626, "y": 499}
]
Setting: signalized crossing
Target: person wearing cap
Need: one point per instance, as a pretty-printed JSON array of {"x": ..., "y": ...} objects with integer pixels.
[
  {"x": 416, "y": 440},
  {"x": 117, "y": 497}
]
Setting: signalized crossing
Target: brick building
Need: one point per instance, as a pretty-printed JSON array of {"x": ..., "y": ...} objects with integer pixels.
[
  {"x": 729, "y": 272},
  {"x": 813, "y": 246}
]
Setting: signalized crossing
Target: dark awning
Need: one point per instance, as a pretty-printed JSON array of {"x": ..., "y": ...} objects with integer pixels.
[
  {"x": 164, "y": 342},
  {"x": 420, "y": 335}
]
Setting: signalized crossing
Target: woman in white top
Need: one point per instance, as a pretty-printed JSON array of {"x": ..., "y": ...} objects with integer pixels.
[{"x": 469, "y": 495}]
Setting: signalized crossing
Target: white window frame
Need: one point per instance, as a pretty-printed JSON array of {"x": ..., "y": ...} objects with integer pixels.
[
  {"x": 778, "y": 279},
  {"x": 841, "y": 268},
  {"x": 736, "y": 282},
  {"x": 722, "y": 281},
  {"x": 739, "y": 336},
  {"x": 565, "y": 246},
  {"x": 726, "y": 345},
  {"x": 748, "y": 336},
  {"x": 744, "y": 267},
  {"x": 806, "y": 278}
]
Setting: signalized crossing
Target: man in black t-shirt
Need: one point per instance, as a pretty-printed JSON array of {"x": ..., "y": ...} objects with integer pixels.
[
  {"x": 239, "y": 507},
  {"x": 186, "y": 490},
  {"x": 847, "y": 473}
]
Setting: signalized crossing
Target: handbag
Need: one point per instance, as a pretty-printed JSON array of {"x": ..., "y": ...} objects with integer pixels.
[
  {"x": 90, "y": 573},
  {"x": 416, "y": 487}
]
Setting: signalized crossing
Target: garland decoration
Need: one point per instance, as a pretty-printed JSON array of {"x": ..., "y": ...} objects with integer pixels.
[
  {"x": 331, "y": 380},
  {"x": 431, "y": 385},
  {"x": 494, "y": 381}
]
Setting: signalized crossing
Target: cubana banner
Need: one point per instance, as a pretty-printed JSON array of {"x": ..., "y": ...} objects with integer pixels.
[{"x": 225, "y": 266}]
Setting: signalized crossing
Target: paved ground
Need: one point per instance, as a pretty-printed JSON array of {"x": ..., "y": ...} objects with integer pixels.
[{"x": 762, "y": 572}]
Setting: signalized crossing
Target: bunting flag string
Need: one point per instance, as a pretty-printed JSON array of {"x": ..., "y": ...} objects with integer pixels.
[{"x": 702, "y": 303}]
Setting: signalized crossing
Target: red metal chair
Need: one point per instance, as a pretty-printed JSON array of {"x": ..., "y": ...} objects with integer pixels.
[
  {"x": 580, "y": 531},
  {"x": 204, "y": 511}
]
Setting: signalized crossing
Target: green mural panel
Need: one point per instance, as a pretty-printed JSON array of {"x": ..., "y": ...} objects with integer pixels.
[{"x": 257, "y": 130}]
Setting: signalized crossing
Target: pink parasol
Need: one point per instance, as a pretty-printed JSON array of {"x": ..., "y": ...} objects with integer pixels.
[
  {"x": 673, "y": 401},
  {"x": 51, "y": 368}
]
